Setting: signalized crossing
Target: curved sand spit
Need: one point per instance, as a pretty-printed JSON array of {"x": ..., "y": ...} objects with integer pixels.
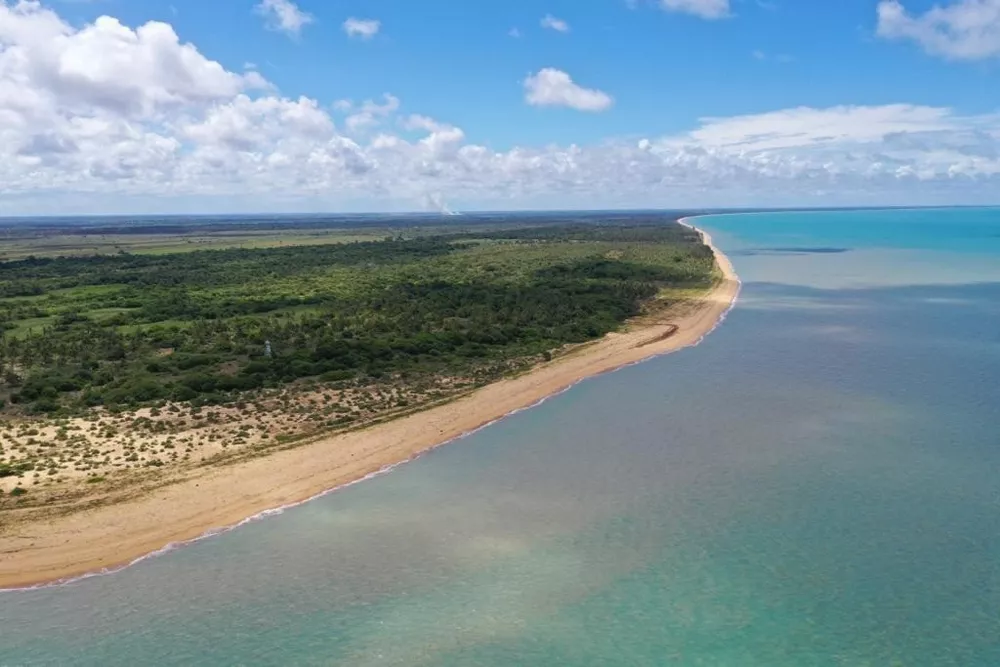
[{"x": 112, "y": 536}]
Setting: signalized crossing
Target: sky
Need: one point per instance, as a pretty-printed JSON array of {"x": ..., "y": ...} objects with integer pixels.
[{"x": 215, "y": 106}]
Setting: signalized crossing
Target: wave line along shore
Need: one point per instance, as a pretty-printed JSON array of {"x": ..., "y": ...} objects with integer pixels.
[{"x": 110, "y": 537}]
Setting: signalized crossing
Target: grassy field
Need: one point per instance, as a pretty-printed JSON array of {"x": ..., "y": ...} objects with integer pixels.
[{"x": 38, "y": 243}]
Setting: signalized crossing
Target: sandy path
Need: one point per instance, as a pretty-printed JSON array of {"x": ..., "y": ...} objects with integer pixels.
[{"x": 114, "y": 535}]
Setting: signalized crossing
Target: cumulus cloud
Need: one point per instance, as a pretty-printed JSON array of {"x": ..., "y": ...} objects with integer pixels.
[
  {"x": 246, "y": 124},
  {"x": 48, "y": 68},
  {"x": 369, "y": 113},
  {"x": 706, "y": 9},
  {"x": 552, "y": 23},
  {"x": 553, "y": 87},
  {"x": 362, "y": 28},
  {"x": 962, "y": 30},
  {"x": 107, "y": 118},
  {"x": 284, "y": 15}
]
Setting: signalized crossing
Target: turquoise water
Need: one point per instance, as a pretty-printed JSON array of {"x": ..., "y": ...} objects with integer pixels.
[{"x": 815, "y": 484}]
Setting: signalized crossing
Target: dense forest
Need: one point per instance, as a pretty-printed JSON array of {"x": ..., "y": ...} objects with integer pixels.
[{"x": 127, "y": 329}]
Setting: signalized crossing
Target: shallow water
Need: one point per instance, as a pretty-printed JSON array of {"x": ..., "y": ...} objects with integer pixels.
[{"x": 816, "y": 484}]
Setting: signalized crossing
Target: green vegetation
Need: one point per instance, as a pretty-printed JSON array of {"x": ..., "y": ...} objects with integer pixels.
[{"x": 207, "y": 326}]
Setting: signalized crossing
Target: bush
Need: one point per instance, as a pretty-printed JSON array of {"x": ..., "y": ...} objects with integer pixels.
[
  {"x": 135, "y": 391},
  {"x": 336, "y": 376},
  {"x": 45, "y": 406}
]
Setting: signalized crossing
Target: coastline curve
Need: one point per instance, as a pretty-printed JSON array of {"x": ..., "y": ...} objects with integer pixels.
[{"x": 103, "y": 541}]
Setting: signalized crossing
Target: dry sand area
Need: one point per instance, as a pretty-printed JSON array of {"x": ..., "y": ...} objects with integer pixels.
[{"x": 207, "y": 498}]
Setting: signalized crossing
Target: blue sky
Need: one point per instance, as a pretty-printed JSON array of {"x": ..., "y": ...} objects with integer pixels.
[{"x": 495, "y": 104}]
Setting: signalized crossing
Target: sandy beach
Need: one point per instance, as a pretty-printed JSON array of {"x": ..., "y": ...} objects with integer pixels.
[{"x": 114, "y": 535}]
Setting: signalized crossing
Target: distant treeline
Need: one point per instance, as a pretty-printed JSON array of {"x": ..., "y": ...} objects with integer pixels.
[{"x": 176, "y": 225}]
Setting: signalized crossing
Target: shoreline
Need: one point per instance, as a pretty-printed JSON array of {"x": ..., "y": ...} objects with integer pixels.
[{"x": 112, "y": 537}]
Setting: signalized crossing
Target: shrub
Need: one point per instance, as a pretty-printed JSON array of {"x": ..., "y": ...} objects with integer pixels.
[{"x": 44, "y": 406}]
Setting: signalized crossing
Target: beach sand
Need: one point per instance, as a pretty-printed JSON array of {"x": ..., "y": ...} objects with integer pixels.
[{"x": 114, "y": 535}]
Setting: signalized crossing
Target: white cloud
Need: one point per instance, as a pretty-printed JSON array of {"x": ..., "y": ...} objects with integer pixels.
[
  {"x": 284, "y": 15},
  {"x": 363, "y": 28},
  {"x": 962, "y": 30},
  {"x": 706, "y": 9},
  {"x": 805, "y": 127},
  {"x": 47, "y": 67},
  {"x": 552, "y": 23},
  {"x": 369, "y": 113},
  {"x": 418, "y": 122},
  {"x": 514, "y": 32},
  {"x": 246, "y": 124},
  {"x": 107, "y": 118},
  {"x": 552, "y": 87}
]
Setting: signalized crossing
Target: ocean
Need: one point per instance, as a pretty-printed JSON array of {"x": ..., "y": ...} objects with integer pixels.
[{"x": 816, "y": 484}]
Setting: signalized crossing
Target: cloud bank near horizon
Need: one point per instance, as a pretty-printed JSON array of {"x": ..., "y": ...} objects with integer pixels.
[{"x": 111, "y": 118}]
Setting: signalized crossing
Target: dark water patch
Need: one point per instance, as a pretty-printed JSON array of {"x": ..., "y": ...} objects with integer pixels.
[{"x": 790, "y": 250}]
